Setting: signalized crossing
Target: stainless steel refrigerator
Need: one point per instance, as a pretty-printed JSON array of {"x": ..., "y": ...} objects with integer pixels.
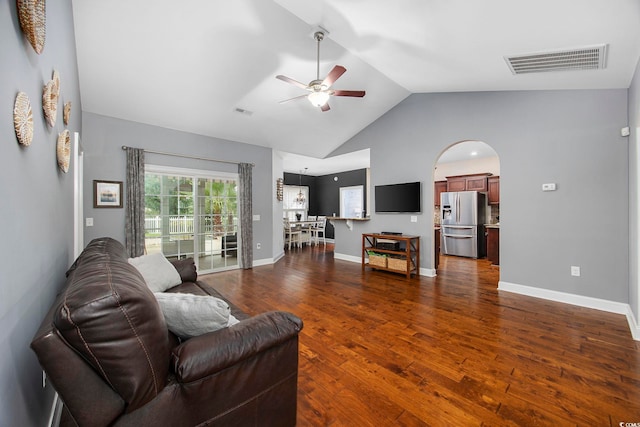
[{"x": 462, "y": 219}]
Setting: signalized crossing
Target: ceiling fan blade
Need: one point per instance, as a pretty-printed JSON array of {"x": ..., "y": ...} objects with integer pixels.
[
  {"x": 325, "y": 107},
  {"x": 356, "y": 93},
  {"x": 333, "y": 75},
  {"x": 291, "y": 81},
  {"x": 292, "y": 99}
]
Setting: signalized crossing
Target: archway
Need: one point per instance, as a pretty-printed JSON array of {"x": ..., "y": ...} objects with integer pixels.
[{"x": 468, "y": 165}]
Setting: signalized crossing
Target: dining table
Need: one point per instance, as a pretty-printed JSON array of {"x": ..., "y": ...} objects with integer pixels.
[{"x": 306, "y": 226}]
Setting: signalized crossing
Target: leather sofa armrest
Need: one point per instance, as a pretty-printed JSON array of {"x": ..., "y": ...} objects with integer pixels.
[{"x": 207, "y": 354}]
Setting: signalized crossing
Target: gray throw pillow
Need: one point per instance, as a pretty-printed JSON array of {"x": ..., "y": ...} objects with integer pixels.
[{"x": 189, "y": 315}]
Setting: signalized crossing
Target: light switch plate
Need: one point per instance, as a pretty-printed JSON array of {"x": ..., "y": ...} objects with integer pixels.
[
  {"x": 256, "y": 217},
  {"x": 414, "y": 218},
  {"x": 89, "y": 222}
]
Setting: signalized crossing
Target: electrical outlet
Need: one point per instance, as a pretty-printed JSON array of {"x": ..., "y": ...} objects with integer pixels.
[
  {"x": 258, "y": 245},
  {"x": 575, "y": 271},
  {"x": 414, "y": 218}
]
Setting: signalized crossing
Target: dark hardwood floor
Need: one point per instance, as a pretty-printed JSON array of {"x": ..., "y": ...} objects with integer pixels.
[{"x": 380, "y": 350}]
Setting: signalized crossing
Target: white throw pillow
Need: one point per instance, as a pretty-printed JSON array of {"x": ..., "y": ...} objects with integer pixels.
[
  {"x": 189, "y": 315},
  {"x": 157, "y": 271}
]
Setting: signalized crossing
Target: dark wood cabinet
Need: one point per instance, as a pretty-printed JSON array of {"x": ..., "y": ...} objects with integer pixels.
[
  {"x": 493, "y": 245},
  {"x": 475, "y": 182},
  {"x": 436, "y": 238},
  {"x": 493, "y": 184},
  {"x": 456, "y": 183},
  {"x": 439, "y": 187}
]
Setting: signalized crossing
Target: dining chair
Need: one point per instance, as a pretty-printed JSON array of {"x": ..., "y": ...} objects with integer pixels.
[
  {"x": 292, "y": 234},
  {"x": 319, "y": 228},
  {"x": 306, "y": 233}
]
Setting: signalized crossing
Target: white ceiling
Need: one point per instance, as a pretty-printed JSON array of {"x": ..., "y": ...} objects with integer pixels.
[
  {"x": 467, "y": 150},
  {"x": 188, "y": 65}
]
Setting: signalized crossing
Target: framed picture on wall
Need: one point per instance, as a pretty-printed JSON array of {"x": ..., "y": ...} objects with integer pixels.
[{"x": 107, "y": 194}]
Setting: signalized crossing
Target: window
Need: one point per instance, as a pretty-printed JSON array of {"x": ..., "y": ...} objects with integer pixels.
[
  {"x": 351, "y": 201},
  {"x": 291, "y": 205},
  {"x": 192, "y": 213}
]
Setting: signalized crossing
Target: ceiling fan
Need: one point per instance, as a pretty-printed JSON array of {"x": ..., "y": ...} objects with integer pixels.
[{"x": 320, "y": 90}]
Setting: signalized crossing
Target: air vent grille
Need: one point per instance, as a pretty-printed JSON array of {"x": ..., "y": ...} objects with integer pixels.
[
  {"x": 243, "y": 111},
  {"x": 586, "y": 58}
]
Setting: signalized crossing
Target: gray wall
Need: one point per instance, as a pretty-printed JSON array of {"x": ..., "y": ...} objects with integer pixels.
[
  {"x": 634, "y": 178},
  {"x": 36, "y": 208},
  {"x": 104, "y": 159},
  {"x": 571, "y": 138}
]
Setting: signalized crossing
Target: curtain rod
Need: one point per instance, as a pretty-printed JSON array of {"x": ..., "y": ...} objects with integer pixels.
[{"x": 164, "y": 153}]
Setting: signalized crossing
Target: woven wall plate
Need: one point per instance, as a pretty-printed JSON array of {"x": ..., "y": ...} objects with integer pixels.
[
  {"x": 32, "y": 15},
  {"x": 50, "y": 95},
  {"x": 23, "y": 119},
  {"x": 66, "y": 113},
  {"x": 63, "y": 150}
]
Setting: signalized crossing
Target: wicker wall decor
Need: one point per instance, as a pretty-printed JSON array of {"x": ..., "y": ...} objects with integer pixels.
[
  {"x": 23, "y": 119},
  {"x": 50, "y": 95},
  {"x": 279, "y": 189},
  {"x": 33, "y": 18},
  {"x": 66, "y": 113},
  {"x": 63, "y": 150}
]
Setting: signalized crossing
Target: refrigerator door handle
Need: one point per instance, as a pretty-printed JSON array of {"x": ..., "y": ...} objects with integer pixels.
[{"x": 457, "y": 236}]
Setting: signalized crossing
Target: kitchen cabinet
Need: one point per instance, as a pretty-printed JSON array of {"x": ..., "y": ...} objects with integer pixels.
[
  {"x": 439, "y": 187},
  {"x": 493, "y": 184},
  {"x": 475, "y": 182},
  {"x": 458, "y": 183},
  {"x": 493, "y": 245}
]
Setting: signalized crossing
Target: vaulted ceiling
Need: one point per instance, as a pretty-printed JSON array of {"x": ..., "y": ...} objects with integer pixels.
[{"x": 191, "y": 65}]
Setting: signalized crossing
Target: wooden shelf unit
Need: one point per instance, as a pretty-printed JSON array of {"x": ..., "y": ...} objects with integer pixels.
[{"x": 409, "y": 254}]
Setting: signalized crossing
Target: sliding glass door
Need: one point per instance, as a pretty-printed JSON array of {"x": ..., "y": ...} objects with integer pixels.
[{"x": 192, "y": 214}]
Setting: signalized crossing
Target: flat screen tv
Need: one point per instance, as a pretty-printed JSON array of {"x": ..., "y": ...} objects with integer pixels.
[{"x": 398, "y": 198}]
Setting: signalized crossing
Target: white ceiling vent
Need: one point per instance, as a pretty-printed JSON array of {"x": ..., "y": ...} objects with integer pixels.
[
  {"x": 583, "y": 58},
  {"x": 243, "y": 111}
]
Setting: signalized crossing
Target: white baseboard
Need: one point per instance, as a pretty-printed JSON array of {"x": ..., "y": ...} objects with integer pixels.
[
  {"x": 56, "y": 411},
  {"x": 278, "y": 257},
  {"x": 633, "y": 324},
  {"x": 428, "y": 272},
  {"x": 264, "y": 261},
  {"x": 349, "y": 258},
  {"x": 579, "y": 300}
]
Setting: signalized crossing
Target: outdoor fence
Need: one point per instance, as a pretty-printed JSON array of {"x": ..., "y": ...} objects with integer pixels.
[
  {"x": 184, "y": 224},
  {"x": 177, "y": 224}
]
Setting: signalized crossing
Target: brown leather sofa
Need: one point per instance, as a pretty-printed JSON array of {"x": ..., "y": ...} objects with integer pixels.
[{"x": 106, "y": 349}]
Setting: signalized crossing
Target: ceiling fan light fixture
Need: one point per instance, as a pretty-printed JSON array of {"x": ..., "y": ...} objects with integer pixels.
[
  {"x": 318, "y": 99},
  {"x": 320, "y": 90}
]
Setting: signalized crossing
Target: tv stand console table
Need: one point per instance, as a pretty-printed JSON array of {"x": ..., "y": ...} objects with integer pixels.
[{"x": 390, "y": 252}]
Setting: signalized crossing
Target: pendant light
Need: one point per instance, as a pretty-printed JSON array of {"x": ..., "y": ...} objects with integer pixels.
[{"x": 300, "y": 199}]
